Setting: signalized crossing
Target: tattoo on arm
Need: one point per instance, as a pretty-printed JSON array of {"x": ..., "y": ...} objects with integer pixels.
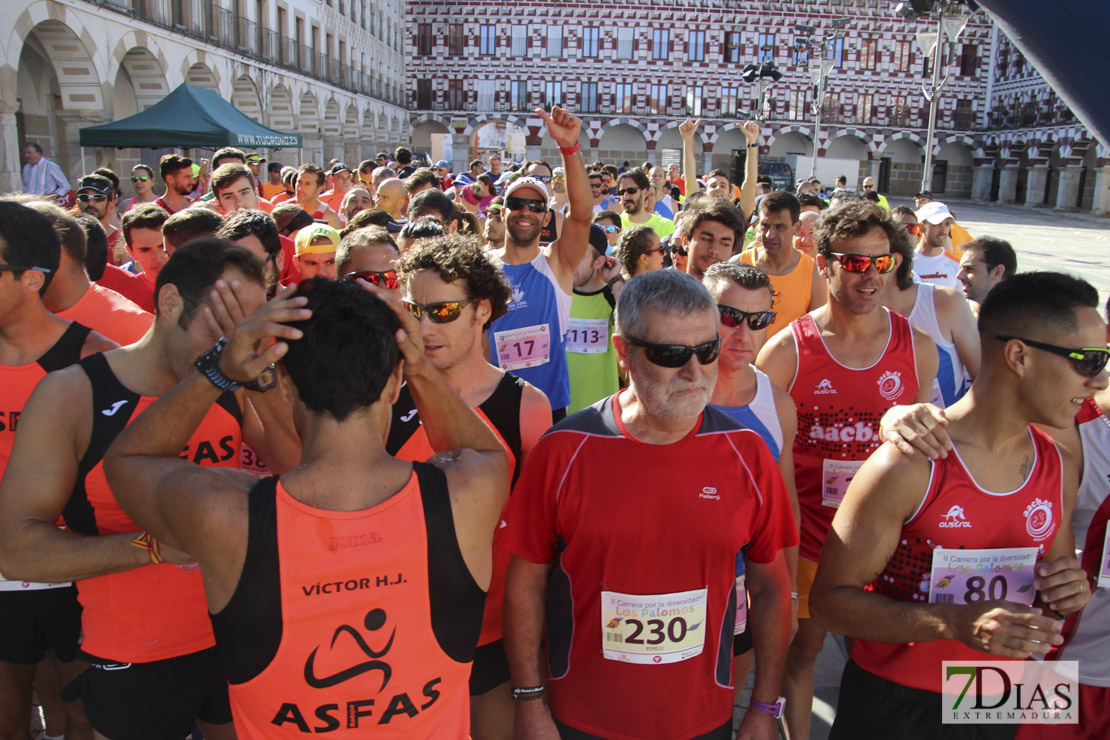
[{"x": 1026, "y": 468}]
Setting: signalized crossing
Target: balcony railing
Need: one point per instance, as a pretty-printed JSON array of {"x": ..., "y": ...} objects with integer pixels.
[{"x": 206, "y": 21}]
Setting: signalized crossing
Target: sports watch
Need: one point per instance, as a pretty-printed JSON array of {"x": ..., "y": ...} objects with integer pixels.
[
  {"x": 775, "y": 710},
  {"x": 208, "y": 366}
]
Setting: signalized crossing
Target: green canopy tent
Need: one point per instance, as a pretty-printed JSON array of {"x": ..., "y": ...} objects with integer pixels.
[{"x": 189, "y": 117}]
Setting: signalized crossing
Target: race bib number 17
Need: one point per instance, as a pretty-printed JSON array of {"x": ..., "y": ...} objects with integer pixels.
[{"x": 653, "y": 629}]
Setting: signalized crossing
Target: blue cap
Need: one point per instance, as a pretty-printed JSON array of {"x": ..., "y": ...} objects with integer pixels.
[{"x": 443, "y": 163}]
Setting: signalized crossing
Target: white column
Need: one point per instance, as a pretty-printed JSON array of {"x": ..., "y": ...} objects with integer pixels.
[
  {"x": 1035, "y": 187},
  {"x": 10, "y": 159},
  {"x": 1067, "y": 194},
  {"x": 1102, "y": 192},
  {"x": 981, "y": 179}
]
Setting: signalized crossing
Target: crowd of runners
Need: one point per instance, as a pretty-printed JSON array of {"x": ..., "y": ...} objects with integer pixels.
[{"x": 535, "y": 450}]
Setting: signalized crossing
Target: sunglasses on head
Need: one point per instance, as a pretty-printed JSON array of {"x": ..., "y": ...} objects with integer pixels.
[
  {"x": 860, "y": 263},
  {"x": 734, "y": 317},
  {"x": 443, "y": 312},
  {"x": 140, "y": 178},
  {"x": 85, "y": 198},
  {"x": 386, "y": 279},
  {"x": 518, "y": 204},
  {"x": 609, "y": 229},
  {"x": 1087, "y": 361},
  {"x": 868, "y": 187},
  {"x": 628, "y": 191},
  {"x": 677, "y": 355}
]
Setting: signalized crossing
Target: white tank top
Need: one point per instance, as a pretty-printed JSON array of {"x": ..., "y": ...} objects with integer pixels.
[
  {"x": 1090, "y": 643},
  {"x": 949, "y": 383}
]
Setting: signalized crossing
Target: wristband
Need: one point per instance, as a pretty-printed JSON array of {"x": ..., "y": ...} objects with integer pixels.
[
  {"x": 145, "y": 542},
  {"x": 775, "y": 710},
  {"x": 528, "y": 694},
  {"x": 572, "y": 149},
  {"x": 753, "y": 146}
]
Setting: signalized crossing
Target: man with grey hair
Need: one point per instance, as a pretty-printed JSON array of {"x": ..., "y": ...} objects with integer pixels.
[{"x": 643, "y": 614}]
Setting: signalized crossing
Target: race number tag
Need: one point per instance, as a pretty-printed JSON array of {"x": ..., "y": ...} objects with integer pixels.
[
  {"x": 741, "y": 605},
  {"x": 529, "y": 346},
  {"x": 588, "y": 336},
  {"x": 969, "y": 576},
  {"x": 835, "y": 477},
  {"x": 654, "y": 629},
  {"x": 250, "y": 462},
  {"x": 1104, "y": 569}
]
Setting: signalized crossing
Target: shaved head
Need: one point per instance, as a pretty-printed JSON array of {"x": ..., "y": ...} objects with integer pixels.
[{"x": 393, "y": 197}]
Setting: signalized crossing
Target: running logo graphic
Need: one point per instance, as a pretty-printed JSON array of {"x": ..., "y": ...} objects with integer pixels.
[
  {"x": 955, "y": 518},
  {"x": 824, "y": 388},
  {"x": 1039, "y": 522},
  {"x": 890, "y": 385},
  {"x": 114, "y": 408},
  {"x": 374, "y": 621}
]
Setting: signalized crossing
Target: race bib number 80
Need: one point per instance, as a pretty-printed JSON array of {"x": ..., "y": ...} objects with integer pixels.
[
  {"x": 970, "y": 576},
  {"x": 653, "y": 629}
]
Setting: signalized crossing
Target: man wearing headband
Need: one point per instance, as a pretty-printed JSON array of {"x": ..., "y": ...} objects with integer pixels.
[
  {"x": 315, "y": 250},
  {"x": 640, "y": 617},
  {"x": 844, "y": 365}
]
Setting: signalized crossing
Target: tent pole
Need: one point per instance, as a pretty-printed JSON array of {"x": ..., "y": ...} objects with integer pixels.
[{"x": 83, "y": 167}]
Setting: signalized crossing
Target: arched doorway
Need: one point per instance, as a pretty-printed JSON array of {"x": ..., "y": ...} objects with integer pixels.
[{"x": 622, "y": 143}]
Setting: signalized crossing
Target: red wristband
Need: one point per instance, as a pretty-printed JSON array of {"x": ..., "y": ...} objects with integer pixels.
[{"x": 571, "y": 150}]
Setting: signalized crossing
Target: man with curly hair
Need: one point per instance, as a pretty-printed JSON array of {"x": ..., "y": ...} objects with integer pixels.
[{"x": 455, "y": 292}]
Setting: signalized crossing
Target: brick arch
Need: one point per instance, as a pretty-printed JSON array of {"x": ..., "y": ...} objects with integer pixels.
[
  {"x": 793, "y": 128},
  {"x": 333, "y": 126},
  {"x": 914, "y": 137},
  {"x": 653, "y": 140},
  {"x": 623, "y": 121},
  {"x": 282, "y": 114},
  {"x": 66, "y": 42},
  {"x": 417, "y": 121},
  {"x": 350, "y": 121},
  {"x": 147, "y": 73},
  {"x": 308, "y": 113},
  {"x": 975, "y": 147},
  {"x": 476, "y": 123},
  {"x": 872, "y": 149},
  {"x": 246, "y": 98}
]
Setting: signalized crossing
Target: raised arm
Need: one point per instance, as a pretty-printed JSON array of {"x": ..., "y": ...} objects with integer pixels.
[
  {"x": 751, "y": 168},
  {"x": 574, "y": 236},
  {"x": 689, "y": 160}
]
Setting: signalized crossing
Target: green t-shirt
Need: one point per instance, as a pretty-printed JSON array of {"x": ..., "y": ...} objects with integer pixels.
[
  {"x": 591, "y": 359},
  {"x": 663, "y": 226}
]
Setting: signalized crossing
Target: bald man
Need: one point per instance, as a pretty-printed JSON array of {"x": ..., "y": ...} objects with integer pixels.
[{"x": 393, "y": 198}]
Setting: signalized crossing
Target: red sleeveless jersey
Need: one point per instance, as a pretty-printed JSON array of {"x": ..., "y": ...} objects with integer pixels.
[
  {"x": 157, "y": 611},
  {"x": 501, "y": 413},
  {"x": 958, "y": 514},
  {"x": 361, "y": 623},
  {"x": 839, "y": 409}
]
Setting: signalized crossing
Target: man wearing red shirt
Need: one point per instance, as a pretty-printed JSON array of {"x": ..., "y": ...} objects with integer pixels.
[
  {"x": 177, "y": 173},
  {"x": 633, "y": 568}
]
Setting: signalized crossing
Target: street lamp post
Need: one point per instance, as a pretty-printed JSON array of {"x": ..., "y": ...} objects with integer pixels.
[
  {"x": 819, "y": 70},
  {"x": 764, "y": 75},
  {"x": 933, "y": 44}
]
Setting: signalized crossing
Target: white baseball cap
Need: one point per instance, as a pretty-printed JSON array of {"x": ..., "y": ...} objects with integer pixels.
[
  {"x": 527, "y": 182},
  {"x": 934, "y": 213}
]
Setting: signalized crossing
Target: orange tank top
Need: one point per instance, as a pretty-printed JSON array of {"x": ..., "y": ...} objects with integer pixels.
[
  {"x": 107, "y": 312},
  {"x": 156, "y": 611},
  {"x": 501, "y": 413},
  {"x": 361, "y": 623},
  {"x": 792, "y": 291}
]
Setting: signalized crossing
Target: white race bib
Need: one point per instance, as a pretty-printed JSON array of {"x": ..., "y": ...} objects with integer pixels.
[
  {"x": 970, "y": 576},
  {"x": 1104, "y": 568},
  {"x": 528, "y": 346},
  {"x": 653, "y": 629},
  {"x": 588, "y": 336},
  {"x": 835, "y": 477}
]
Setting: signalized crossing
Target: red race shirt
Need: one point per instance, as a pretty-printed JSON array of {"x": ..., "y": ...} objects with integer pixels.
[
  {"x": 839, "y": 409},
  {"x": 957, "y": 514},
  {"x": 643, "y": 541}
]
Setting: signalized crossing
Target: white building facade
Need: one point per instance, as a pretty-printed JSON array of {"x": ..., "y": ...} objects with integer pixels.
[
  {"x": 634, "y": 69},
  {"x": 331, "y": 70}
]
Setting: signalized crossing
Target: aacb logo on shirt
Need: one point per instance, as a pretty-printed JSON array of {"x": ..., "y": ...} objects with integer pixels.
[
  {"x": 890, "y": 385},
  {"x": 1038, "y": 519},
  {"x": 362, "y": 712}
]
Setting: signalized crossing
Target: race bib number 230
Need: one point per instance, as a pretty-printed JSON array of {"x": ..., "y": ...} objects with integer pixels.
[{"x": 653, "y": 629}]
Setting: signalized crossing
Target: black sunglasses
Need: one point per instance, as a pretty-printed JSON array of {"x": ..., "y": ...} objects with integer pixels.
[
  {"x": 1087, "y": 361},
  {"x": 628, "y": 191},
  {"x": 514, "y": 203},
  {"x": 386, "y": 279},
  {"x": 443, "y": 312},
  {"x": 734, "y": 317},
  {"x": 677, "y": 355}
]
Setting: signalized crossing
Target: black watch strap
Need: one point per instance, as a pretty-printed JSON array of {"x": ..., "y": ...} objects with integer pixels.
[{"x": 208, "y": 366}]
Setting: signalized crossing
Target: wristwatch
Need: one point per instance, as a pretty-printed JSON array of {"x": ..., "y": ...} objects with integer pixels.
[
  {"x": 208, "y": 366},
  {"x": 775, "y": 710}
]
